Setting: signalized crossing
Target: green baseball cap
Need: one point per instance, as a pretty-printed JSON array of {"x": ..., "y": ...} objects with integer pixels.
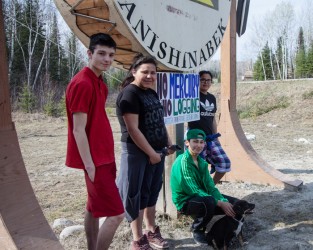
[{"x": 196, "y": 134}]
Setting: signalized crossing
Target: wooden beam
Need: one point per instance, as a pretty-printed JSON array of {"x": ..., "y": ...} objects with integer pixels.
[{"x": 247, "y": 166}]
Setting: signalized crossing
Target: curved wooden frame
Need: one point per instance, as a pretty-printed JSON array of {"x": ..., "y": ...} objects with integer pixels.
[
  {"x": 23, "y": 225},
  {"x": 247, "y": 166}
]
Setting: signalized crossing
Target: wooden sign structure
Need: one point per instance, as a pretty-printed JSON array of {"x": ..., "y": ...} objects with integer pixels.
[
  {"x": 22, "y": 223},
  {"x": 247, "y": 166},
  {"x": 165, "y": 29}
]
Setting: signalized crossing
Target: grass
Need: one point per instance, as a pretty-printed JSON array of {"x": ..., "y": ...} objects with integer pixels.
[
  {"x": 262, "y": 106},
  {"x": 110, "y": 111},
  {"x": 307, "y": 95}
]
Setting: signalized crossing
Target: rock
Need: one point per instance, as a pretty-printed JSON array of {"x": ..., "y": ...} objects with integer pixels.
[
  {"x": 270, "y": 125},
  {"x": 303, "y": 140},
  {"x": 250, "y": 137},
  {"x": 62, "y": 222},
  {"x": 68, "y": 231}
]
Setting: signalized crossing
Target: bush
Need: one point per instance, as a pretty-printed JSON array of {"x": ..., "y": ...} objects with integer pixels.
[
  {"x": 52, "y": 107},
  {"x": 62, "y": 106},
  {"x": 27, "y": 100}
]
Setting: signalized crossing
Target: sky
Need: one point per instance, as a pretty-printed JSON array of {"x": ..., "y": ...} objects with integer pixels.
[{"x": 257, "y": 10}]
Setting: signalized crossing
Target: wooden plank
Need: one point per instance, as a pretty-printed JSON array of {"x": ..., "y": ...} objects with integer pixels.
[
  {"x": 6, "y": 241},
  {"x": 21, "y": 213},
  {"x": 5, "y": 105},
  {"x": 93, "y": 28},
  {"x": 86, "y": 4},
  {"x": 247, "y": 166},
  {"x": 102, "y": 13}
]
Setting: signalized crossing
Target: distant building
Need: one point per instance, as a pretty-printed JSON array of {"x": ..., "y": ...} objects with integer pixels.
[{"x": 248, "y": 76}]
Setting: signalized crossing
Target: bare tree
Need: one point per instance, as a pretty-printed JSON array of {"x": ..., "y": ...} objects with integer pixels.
[{"x": 10, "y": 11}]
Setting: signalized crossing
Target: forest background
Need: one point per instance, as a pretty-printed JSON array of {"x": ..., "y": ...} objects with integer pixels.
[{"x": 43, "y": 54}]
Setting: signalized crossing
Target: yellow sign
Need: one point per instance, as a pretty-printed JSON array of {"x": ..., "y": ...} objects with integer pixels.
[{"x": 209, "y": 3}]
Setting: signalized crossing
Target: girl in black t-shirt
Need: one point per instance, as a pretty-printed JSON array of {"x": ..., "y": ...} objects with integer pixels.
[{"x": 144, "y": 135}]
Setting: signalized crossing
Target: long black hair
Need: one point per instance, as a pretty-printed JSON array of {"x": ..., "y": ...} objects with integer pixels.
[{"x": 138, "y": 60}]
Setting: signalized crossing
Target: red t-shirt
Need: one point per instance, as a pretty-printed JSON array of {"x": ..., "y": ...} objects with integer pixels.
[{"x": 87, "y": 93}]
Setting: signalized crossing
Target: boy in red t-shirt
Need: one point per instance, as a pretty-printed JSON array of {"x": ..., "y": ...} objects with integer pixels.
[{"x": 90, "y": 142}]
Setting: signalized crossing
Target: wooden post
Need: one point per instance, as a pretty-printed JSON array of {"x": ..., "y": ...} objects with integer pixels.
[
  {"x": 247, "y": 166},
  {"x": 5, "y": 107},
  {"x": 22, "y": 222}
]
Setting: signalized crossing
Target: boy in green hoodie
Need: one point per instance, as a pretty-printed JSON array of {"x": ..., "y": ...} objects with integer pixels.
[{"x": 193, "y": 189}]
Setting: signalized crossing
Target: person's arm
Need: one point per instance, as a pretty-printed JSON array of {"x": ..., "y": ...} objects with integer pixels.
[
  {"x": 132, "y": 124},
  {"x": 227, "y": 208},
  {"x": 221, "y": 201},
  {"x": 79, "y": 126},
  {"x": 214, "y": 126}
]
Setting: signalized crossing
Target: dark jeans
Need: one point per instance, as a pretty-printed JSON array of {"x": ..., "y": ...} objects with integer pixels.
[{"x": 202, "y": 210}]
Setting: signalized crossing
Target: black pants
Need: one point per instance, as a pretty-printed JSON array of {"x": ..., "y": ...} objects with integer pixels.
[{"x": 202, "y": 210}]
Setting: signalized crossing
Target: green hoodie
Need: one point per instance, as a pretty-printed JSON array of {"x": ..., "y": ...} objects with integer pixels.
[{"x": 188, "y": 181}]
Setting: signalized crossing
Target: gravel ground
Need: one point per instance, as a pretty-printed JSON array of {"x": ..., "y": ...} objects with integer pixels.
[{"x": 283, "y": 219}]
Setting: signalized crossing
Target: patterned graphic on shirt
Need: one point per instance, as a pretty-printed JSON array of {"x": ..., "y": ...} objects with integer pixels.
[
  {"x": 208, "y": 108},
  {"x": 155, "y": 130}
]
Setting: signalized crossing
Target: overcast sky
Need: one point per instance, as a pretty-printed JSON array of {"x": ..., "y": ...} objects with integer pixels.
[{"x": 258, "y": 9}]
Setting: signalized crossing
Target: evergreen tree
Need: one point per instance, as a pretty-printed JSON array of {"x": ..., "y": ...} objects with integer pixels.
[
  {"x": 54, "y": 52},
  {"x": 262, "y": 69},
  {"x": 30, "y": 44},
  {"x": 279, "y": 59},
  {"x": 300, "y": 60},
  {"x": 74, "y": 60},
  {"x": 309, "y": 61},
  {"x": 16, "y": 54},
  {"x": 258, "y": 74}
]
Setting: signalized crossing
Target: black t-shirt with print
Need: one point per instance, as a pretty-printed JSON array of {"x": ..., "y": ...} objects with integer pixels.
[
  {"x": 207, "y": 113},
  {"x": 145, "y": 103}
]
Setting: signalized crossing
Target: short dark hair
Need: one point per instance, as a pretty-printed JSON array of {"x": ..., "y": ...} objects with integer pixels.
[
  {"x": 101, "y": 39},
  {"x": 202, "y": 72}
]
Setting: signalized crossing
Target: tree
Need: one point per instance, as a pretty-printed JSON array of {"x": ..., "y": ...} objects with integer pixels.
[
  {"x": 74, "y": 61},
  {"x": 309, "y": 61},
  {"x": 258, "y": 74},
  {"x": 300, "y": 59},
  {"x": 279, "y": 58},
  {"x": 277, "y": 24},
  {"x": 262, "y": 69}
]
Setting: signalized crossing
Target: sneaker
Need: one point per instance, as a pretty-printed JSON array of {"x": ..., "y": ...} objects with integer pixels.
[
  {"x": 155, "y": 239},
  {"x": 199, "y": 237},
  {"x": 141, "y": 244}
]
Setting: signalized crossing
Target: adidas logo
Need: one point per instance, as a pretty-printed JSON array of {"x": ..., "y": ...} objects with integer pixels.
[{"x": 207, "y": 106}]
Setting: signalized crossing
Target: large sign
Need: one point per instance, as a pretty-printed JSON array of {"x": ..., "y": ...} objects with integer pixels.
[
  {"x": 181, "y": 34},
  {"x": 179, "y": 95}
]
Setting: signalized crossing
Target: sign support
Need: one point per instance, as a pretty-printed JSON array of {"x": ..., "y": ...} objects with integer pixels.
[
  {"x": 22, "y": 222},
  {"x": 247, "y": 166}
]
